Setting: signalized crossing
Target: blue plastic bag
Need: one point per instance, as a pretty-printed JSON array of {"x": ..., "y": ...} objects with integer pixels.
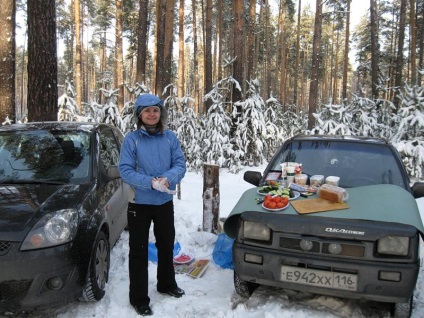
[
  {"x": 223, "y": 251},
  {"x": 153, "y": 251}
]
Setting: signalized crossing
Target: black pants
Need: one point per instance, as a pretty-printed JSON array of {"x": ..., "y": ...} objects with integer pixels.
[{"x": 140, "y": 217}]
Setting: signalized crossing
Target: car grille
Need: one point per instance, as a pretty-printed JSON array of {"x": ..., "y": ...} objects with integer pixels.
[
  {"x": 4, "y": 247},
  {"x": 322, "y": 247},
  {"x": 14, "y": 289}
]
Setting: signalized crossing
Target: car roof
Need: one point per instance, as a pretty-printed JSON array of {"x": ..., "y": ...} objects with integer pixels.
[
  {"x": 350, "y": 138},
  {"x": 49, "y": 125}
]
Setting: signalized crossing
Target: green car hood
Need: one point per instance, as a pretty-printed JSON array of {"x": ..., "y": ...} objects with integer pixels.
[{"x": 382, "y": 202}]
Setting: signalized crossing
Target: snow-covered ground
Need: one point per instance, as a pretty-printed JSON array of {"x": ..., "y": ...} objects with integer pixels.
[{"x": 213, "y": 294}]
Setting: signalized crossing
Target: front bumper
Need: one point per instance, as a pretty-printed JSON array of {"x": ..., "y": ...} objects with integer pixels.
[
  {"x": 38, "y": 279},
  {"x": 369, "y": 286}
]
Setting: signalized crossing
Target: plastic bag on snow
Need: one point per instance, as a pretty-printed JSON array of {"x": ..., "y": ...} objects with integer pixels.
[
  {"x": 153, "y": 251},
  {"x": 222, "y": 251}
]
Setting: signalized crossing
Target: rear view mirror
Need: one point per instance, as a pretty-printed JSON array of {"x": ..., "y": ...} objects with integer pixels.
[{"x": 253, "y": 177}]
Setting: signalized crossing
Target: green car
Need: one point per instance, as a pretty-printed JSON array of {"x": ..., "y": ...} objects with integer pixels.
[{"x": 364, "y": 248}]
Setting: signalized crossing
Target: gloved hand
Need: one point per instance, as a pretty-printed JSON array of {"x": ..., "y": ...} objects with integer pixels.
[{"x": 161, "y": 185}]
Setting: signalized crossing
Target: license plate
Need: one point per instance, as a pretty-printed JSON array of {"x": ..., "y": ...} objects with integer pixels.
[{"x": 319, "y": 278}]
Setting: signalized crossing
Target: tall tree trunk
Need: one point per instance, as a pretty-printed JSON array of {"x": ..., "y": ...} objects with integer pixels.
[
  {"x": 119, "y": 55},
  {"x": 78, "y": 55},
  {"x": 220, "y": 35},
  {"x": 413, "y": 50},
  {"x": 160, "y": 46},
  {"x": 168, "y": 48},
  {"x": 374, "y": 50},
  {"x": 181, "y": 57},
  {"x": 399, "y": 56},
  {"x": 7, "y": 60},
  {"x": 267, "y": 68},
  {"x": 251, "y": 42},
  {"x": 296, "y": 65},
  {"x": 208, "y": 52},
  {"x": 316, "y": 59},
  {"x": 346, "y": 51},
  {"x": 283, "y": 53},
  {"x": 198, "y": 109},
  {"x": 238, "y": 36},
  {"x": 142, "y": 37},
  {"x": 42, "y": 61},
  {"x": 421, "y": 49}
]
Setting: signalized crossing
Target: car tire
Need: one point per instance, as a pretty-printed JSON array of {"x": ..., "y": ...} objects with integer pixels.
[
  {"x": 403, "y": 310},
  {"x": 242, "y": 287},
  {"x": 98, "y": 275}
]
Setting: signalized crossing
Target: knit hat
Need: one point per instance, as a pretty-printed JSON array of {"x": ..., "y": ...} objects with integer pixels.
[{"x": 146, "y": 100}]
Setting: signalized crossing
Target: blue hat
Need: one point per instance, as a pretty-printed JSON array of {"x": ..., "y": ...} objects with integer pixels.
[{"x": 146, "y": 100}]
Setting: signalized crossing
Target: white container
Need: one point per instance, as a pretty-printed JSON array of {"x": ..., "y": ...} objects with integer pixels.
[
  {"x": 316, "y": 180},
  {"x": 332, "y": 180},
  {"x": 301, "y": 178}
]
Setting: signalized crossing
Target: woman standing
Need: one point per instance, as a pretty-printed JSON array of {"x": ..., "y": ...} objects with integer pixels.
[{"x": 153, "y": 164}]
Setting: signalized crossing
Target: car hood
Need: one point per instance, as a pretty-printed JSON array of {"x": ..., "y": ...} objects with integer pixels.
[
  {"x": 20, "y": 204},
  {"x": 381, "y": 202}
]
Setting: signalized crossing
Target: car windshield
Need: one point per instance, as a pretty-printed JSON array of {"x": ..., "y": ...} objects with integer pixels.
[
  {"x": 356, "y": 164},
  {"x": 44, "y": 156}
]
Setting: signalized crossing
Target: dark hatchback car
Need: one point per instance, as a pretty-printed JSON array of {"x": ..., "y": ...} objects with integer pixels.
[
  {"x": 368, "y": 251},
  {"x": 62, "y": 208}
]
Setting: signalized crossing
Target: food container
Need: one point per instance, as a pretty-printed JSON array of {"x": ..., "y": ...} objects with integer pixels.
[
  {"x": 290, "y": 174},
  {"x": 332, "y": 180},
  {"x": 332, "y": 193},
  {"x": 301, "y": 178},
  {"x": 316, "y": 180}
]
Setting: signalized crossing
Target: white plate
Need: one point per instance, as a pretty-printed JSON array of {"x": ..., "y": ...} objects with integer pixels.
[
  {"x": 190, "y": 257},
  {"x": 274, "y": 210}
]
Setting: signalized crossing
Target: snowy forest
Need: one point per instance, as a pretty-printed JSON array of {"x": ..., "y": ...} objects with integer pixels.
[{"x": 238, "y": 77}]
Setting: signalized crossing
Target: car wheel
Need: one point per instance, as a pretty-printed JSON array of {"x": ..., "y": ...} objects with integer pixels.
[
  {"x": 242, "y": 287},
  {"x": 403, "y": 310},
  {"x": 98, "y": 275}
]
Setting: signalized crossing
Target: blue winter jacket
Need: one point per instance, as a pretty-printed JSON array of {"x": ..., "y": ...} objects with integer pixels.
[{"x": 144, "y": 157}]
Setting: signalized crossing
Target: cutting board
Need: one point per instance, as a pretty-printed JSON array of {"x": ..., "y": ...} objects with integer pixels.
[{"x": 317, "y": 205}]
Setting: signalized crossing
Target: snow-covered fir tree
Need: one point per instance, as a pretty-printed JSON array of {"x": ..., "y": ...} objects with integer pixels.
[
  {"x": 409, "y": 138},
  {"x": 217, "y": 124},
  {"x": 188, "y": 134},
  {"x": 251, "y": 126}
]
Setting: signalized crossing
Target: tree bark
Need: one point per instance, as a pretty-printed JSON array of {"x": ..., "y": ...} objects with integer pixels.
[
  {"x": 238, "y": 35},
  {"x": 346, "y": 51},
  {"x": 119, "y": 56},
  {"x": 413, "y": 49},
  {"x": 211, "y": 198},
  {"x": 316, "y": 59},
  {"x": 142, "y": 37},
  {"x": 296, "y": 67},
  {"x": 374, "y": 50},
  {"x": 78, "y": 55},
  {"x": 208, "y": 52},
  {"x": 42, "y": 61},
  {"x": 7, "y": 60},
  {"x": 399, "y": 56},
  {"x": 181, "y": 57}
]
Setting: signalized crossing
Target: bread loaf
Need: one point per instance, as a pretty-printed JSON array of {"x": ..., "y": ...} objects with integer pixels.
[{"x": 332, "y": 193}]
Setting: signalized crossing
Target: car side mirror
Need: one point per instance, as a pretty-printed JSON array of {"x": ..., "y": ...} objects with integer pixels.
[
  {"x": 253, "y": 177},
  {"x": 112, "y": 172},
  {"x": 418, "y": 190}
]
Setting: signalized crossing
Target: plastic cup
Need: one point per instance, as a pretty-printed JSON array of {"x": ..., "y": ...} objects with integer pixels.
[
  {"x": 301, "y": 179},
  {"x": 332, "y": 180}
]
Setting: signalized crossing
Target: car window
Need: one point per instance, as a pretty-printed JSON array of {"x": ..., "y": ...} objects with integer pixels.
[
  {"x": 109, "y": 150},
  {"x": 355, "y": 163},
  {"x": 45, "y": 155}
]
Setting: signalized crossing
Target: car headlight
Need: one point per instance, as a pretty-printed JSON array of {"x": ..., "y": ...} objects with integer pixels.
[
  {"x": 52, "y": 229},
  {"x": 393, "y": 245},
  {"x": 256, "y": 231}
]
